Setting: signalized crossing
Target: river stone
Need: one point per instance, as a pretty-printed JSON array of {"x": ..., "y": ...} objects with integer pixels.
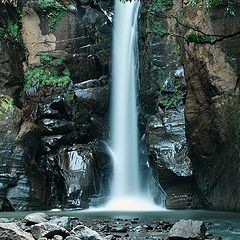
[
  {"x": 65, "y": 222},
  {"x": 5, "y": 220},
  {"x": 48, "y": 230},
  {"x": 119, "y": 229},
  {"x": 10, "y": 231},
  {"x": 34, "y": 218},
  {"x": 57, "y": 237},
  {"x": 72, "y": 238},
  {"x": 110, "y": 237},
  {"x": 85, "y": 233},
  {"x": 187, "y": 229}
]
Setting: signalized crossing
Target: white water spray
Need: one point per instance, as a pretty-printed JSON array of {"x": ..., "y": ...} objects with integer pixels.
[{"x": 126, "y": 191}]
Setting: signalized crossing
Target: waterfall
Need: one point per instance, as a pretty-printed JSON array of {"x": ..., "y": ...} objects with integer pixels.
[
  {"x": 124, "y": 107},
  {"x": 126, "y": 191}
]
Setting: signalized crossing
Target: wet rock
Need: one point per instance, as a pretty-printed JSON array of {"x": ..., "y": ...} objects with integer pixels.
[
  {"x": 34, "y": 218},
  {"x": 135, "y": 220},
  {"x": 167, "y": 141},
  {"x": 10, "y": 231},
  {"x": 168, "y": 158},
  {"x": 5, "y": 220},
  {"x": 96, "y": 97},
  {"x": 188, "y": 229},
  {"x": 147, "y": 227},
  {"x": 119, "y": 229},
  {"x": 85, "y": 233},
  {"x": 54, "y": 107},
  {"x": 65, "y": 222},
  {"x": 138, "y": 229},
  {"x": 103, "y": 227},
  {"x": 166, "y": 225},
  {"x": 110, "y": 237},
  {"x": 57, "y": 126},
  {"x": 48, "y": 230},
  {"x": 73, "y": 238},
  {"x": 57, "y": 237}
]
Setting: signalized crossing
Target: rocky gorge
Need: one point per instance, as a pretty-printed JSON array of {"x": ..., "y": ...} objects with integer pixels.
[{"x": 55, "y": 76}]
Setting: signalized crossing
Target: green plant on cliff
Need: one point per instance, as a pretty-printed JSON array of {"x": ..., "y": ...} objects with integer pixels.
[
  {"x": 47, "y": 59},
  {"x": 51, "y": 72},
  {"x": 6, "y": 105},
  {"x": 155, "y": 25},
  {"x": 10, "y": 23},
  {"x": 54, "y": 10},
  {"x": 158, "y": 5},
  {"x": 13, "y": 29},
  {"x": 197, "y": 37},
  {"x": 158, "y": 28},
  {"x": 40, "y": 76}
]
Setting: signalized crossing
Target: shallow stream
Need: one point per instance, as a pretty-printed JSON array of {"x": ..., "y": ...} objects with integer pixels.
[{"x": 224, "y": 224}]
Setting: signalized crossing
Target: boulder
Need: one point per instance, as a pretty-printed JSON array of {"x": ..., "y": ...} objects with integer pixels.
[
  {"x": 48, "y": 230},
  {"x": 187, "y": 229},
  {"x": 119, "y": 229},
  {"x": 5, "y": 220},
  {"x": 10, "y": 231},
  {"x": 72, "y": 238},
  {"x": 57, "y": 237},
  {"x": 34, "y": 218},
  {"x": 110, "y": 237},
  {"x": 65, "y": 222},
  {"x": 85, "y": 233}
]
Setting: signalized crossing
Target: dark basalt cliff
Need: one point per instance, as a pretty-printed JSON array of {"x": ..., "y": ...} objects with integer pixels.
[{"x": 54, "y": 99}]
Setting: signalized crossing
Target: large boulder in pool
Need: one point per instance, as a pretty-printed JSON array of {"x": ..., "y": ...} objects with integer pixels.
[{"x": 188, "y": 229}]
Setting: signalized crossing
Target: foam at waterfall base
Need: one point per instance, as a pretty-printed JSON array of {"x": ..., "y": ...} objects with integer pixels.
[{"x": 130, "y": 204}]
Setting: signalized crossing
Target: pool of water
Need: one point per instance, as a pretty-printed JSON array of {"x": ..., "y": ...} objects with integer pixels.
[{"x": 224, "y": 224}]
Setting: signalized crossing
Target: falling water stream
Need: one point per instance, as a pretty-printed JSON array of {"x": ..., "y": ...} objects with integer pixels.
[{"x": 126, "y": 192}]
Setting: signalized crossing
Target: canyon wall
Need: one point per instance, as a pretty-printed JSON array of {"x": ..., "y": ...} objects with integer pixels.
[{"x": 55, "y": 74}]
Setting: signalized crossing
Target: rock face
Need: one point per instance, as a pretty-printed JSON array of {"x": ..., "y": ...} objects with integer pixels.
[
  {"x": 52, "y": 154},
  {"x": 15, "y": 165},
  {"x": 162, "y": 97},
  {"x": 209, "y": 88},
  {"x": 212, "y": 108}
]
